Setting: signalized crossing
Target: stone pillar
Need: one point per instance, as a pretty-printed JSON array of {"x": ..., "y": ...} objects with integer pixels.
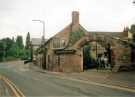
[
  {"x": 122, "y": 58},
  {"x": 116, "y": 60}
]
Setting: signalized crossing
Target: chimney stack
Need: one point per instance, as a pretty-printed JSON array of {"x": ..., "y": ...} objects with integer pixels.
[
  {"x": 75, "y": 20},
  {"x": 75, "y": 17}
]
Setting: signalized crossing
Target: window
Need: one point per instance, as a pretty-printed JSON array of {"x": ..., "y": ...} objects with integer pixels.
[{"x": 58, "y": 43}]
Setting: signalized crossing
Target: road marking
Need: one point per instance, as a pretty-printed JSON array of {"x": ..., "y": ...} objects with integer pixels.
[
  {"x": 12, "y": 86},
  {"x": 99, "y": 84}
]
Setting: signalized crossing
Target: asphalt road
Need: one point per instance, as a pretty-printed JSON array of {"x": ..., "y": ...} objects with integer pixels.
[
  {"x": 4, "y": 90},
  {"x": 33, "y": 83}
]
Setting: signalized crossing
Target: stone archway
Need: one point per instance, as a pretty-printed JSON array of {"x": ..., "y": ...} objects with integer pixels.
[
  {"x": 117, "y": 48},
  {"x": 85, "y": 41}
]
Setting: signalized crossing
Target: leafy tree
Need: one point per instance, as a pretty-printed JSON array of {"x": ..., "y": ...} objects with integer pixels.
[
  {"x": 13, "y": 39},
  {"x": 28, "y": 41},
  {"x": 132, "y": 30},
  {"x": 7, "y": 43},
  {"x": 1, "y": 50},
  {"x": 19, "y": 42},
  {"x": 5, "y": 46},
  {"x": 10, "y": 49},
  {"x": 27, "y": 47},
  {"x": 13, "y": 50}
]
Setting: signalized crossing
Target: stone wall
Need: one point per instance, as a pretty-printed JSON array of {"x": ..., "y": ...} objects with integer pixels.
[
  {"x": 64, "y": 62},
  {"x": 71, "y": 62}
]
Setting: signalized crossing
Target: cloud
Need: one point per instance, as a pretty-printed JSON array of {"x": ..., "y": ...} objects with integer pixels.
[{"x": 108, "y": 15}]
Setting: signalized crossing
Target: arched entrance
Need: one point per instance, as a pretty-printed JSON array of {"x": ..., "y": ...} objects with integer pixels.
[
  {"x": 87, "y": 59},
  {"x": 92, "y": 48}
]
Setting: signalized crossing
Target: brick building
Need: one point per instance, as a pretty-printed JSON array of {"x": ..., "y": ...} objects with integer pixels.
[{"x": 64, "y": 51}]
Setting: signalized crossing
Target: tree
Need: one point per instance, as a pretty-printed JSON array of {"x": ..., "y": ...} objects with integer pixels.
[
  {"x": 19, "y": 42},
  {"x": 28, "y": 41},
  {"x": 1, "y": 50},
  {"x": 5, "y": 47},
  {"x": 28, "y": 46},
  {"x": 12, "y": 50},
  {"x": 7, "y": 43},
  {"x": 132, "y": 30},
  {"x": 13, "y": 39}
]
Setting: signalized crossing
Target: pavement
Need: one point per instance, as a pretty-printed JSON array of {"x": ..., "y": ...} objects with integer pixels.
[
  {"x": 33, "y": 81},
  {"x": 120, "y": 79}
]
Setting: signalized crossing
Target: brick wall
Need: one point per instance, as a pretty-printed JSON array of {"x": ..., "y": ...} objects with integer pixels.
[{"x": 71, "y": 62}]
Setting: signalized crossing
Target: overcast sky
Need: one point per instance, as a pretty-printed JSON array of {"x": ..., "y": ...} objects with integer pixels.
[{"x": 95, "y": 15}]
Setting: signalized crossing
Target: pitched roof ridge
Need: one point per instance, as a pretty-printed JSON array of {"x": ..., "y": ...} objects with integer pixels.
[
  {"x": 105, "y": 31},
  {"x": 64, "y": 28}
]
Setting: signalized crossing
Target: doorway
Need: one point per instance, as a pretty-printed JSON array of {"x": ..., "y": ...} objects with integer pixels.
[{"x": 87, "y": 59}]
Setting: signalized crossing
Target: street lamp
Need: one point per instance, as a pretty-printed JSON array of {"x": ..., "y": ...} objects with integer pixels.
[{"x": 42, "y": 21}]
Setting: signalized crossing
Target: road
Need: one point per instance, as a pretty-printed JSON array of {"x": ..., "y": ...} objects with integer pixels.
[
  {"x": 33, "y": 83},
  {"x": 4, "y": 90}
]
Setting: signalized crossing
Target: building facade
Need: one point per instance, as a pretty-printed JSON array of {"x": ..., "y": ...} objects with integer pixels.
[{"x": 64, "y": 51}]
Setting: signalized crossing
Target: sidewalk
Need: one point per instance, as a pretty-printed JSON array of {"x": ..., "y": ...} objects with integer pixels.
[{"x": 121, "y": 79}]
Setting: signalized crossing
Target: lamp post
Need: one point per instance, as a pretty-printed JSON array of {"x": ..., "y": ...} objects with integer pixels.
[
  {"x": 43, "y": 38},
  {"x": 41, "y": 21}
]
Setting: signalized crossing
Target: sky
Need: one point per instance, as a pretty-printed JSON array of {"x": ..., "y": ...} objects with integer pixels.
[{"x": 95, "y": 15}]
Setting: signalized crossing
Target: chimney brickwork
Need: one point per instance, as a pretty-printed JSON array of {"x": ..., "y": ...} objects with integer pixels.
[{"x": 75, "y": 21}]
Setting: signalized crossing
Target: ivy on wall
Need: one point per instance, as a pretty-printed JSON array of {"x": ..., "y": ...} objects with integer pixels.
[{"x": 75, "y": 36}]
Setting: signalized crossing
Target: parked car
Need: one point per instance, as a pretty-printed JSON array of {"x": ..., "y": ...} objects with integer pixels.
[{"x": 27, "y": 61}]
